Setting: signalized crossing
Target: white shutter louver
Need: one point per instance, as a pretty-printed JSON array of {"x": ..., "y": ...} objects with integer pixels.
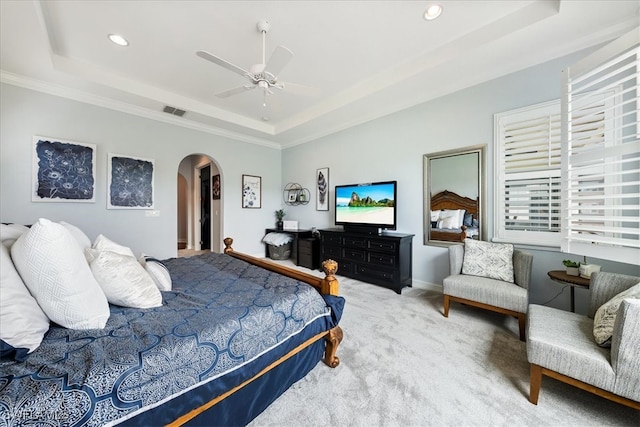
[{"x": 601, "y": 156}]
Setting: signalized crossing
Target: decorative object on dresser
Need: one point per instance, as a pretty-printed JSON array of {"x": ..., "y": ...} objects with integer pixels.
[
  {"x": 382, "y": 259},
  {"x": 492, "y": 276},
  {"x": 564, "y": 345},
  {"x": 280, "y": 213}
]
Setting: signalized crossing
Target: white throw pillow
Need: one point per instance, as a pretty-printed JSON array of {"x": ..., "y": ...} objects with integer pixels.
[
  {"x": 53, "y": 267},
  {"x": 435, "y": 215},
  {"x": 22, "y": 321},
  {"x": 124, "y": 281},
  {"x": 102, "y": 243},
  {"x": 605, "y": 317},
  {"x": 487, "y": 259},
  {"x": 9, "y": 233},
  {"x": 158, "y": 272},
  {"x": 82, "y": 239},
  {"x": 450, "y": 222}
]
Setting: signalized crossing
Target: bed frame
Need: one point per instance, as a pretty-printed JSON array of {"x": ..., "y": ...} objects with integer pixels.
[
  {"x": 450, "y": 200},
  {"x": 327, "y": 285}
]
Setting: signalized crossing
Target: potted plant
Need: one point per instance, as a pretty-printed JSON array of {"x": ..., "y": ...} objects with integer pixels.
[
  {"x": 280, "y": 213},
  {"x": 573, "y": 267}
]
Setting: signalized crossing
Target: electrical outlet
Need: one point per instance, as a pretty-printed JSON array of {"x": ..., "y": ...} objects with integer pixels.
[{"x": 152, "y": 213}]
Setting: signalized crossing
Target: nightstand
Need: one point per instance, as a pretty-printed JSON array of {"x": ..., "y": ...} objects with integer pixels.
[{"x": 308, "y": 253}]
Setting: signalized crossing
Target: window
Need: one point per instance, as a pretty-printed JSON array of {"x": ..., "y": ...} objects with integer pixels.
[
  {"x": 601, "y": 148},
  {"x": 528, "y": 175}
]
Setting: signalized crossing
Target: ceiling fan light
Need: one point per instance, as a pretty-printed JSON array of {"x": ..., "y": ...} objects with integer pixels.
[
  {"x": 433, "y": 11},
  {"x": 118, "y": 39}
]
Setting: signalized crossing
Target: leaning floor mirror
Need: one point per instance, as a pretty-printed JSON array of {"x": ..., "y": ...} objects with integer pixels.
[{"x": 454, "y": 206}]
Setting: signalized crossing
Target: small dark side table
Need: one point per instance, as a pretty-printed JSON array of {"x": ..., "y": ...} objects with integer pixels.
[{"x": 561, "y": 276}]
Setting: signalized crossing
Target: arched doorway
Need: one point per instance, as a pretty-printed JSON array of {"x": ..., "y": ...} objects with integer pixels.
[{"x": 199, "y": 206}]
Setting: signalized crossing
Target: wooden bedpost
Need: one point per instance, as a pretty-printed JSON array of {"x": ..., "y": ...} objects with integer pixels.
[
  {"x": 329, "y": 284},
  {"x": 228, "y": 241},
  {"x": 332, "y": 341}
]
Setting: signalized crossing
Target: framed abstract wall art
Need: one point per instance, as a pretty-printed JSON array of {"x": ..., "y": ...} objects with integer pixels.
[
  {"x": 130, "y": 182},
  {"x": 63, "y": 171},
  {"x": 215, "y": 187},
  {"x": 322, "y": 189},
  {"x": 251, "y": 191}
]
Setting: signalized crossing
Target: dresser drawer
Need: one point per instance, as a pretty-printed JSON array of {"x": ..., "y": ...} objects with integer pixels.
[
  {"x": 382, "y": 245},
  {"x": 355, "y": 241},
  {"x": 331, "y": 239},
  {"x": 306, "y": 246},
  {"x": 382, "y": 259},
  {"x": 354, "y": 254},
  {"x": 375, "y": 274},
  {"x": 331, "y": 252}
]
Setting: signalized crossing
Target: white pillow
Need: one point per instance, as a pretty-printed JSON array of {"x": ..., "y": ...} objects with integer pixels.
[
  {"x": 450, "y": 222},
  {"x": 54, "y": 269},
  {"x": 22, "y": 321},
  {"x": 82, "y": 239},
  {"x": 487, "y": 259},
  {"x": 9, "y": 233},
  {"x": 124, "y": 281},
  {"x": 102, "y": 243},
  {"x": 451, "y": 218},
  {"x": 435, "y": 215},
  {"x": 605, "y": 317},
  {"x": 158, "y": 272}
]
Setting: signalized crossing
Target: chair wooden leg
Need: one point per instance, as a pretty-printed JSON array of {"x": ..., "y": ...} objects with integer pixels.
[
  {"x": 535, "y": 383},
  {"x": 522, "y": 318},
  {"x": 446, "y": 305}
]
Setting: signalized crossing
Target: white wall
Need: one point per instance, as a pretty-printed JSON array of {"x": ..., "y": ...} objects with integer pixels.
[
  {"x": 26, "y": 113},
  {"x": 392, "y": 148}
]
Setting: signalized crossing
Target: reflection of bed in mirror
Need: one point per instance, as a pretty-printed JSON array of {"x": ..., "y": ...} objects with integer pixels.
[{"x": 445, "y": 226}]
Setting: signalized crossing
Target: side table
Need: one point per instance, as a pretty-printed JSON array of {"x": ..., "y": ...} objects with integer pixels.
[{"x": 561, "y": 276}]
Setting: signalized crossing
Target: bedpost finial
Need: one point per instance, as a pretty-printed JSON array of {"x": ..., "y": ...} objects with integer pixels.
[
  {"x": 330, "y": 267},
  {"x": 228, "y": 241}
]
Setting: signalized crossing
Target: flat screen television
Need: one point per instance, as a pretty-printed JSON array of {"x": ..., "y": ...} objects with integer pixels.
[{"x": 366, "y": 207}]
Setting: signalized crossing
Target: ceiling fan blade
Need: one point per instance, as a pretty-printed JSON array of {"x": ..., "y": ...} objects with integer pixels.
[
  {"x": 235, "y": 91},
  {"x": 221, "y": 62},
  {"x": 279, "y": 58},
  {"x": 298, "y": 89}
]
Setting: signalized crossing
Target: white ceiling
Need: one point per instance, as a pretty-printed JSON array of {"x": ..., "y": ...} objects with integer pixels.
[{"x": 365, "y": 58}]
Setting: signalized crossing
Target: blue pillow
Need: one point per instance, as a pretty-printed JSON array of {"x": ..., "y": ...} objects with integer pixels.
[
  {"x": 468, "y": 220},
  {"x": 11, "y": 352}
]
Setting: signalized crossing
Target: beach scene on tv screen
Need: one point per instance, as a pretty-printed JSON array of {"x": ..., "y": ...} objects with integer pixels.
[{"x": 365, "y": 204}]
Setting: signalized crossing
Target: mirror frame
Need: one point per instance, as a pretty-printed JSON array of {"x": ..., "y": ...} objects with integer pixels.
[{"x": 426, "y": 193}]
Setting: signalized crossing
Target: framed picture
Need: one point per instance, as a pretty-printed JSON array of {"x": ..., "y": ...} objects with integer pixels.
[
  {"x": 251, "y": 191},
  {"x": 322, "y": 189},
  {"x": 292, "y": 197},
  {"x": 63, "y": 171},
  {"x": 130, "y": 182},
  {"x": 215, "y": 187}
]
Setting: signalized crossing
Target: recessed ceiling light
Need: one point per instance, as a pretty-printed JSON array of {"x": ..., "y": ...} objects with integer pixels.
[
  {"x": 433, "y": 11},
  {"x": 119, "y": 40}
]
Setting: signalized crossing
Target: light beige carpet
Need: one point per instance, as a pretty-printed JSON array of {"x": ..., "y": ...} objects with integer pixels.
[{"x": 404, "y": 364}]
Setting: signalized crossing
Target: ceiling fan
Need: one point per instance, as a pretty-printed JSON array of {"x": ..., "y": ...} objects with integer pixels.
[{"x": 263, "y": 75}]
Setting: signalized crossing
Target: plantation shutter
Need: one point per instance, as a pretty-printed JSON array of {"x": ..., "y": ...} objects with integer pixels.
[
  {"x": 601, "y": 154},
  {"x": 528, "y": 185}
]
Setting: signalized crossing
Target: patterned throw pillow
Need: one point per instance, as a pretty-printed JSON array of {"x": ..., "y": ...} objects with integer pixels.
[
  {"x": 486, "y": 259},
  {"x": 605, "y": 317}
]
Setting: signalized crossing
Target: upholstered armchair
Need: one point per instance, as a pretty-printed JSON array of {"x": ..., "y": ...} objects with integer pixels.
[
  {"x": 561, "y": 344},
  {"x": 507, "y": 295}
]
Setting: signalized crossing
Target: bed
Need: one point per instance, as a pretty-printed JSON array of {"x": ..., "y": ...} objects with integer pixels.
[
  {"x": 232, "y": 335},
  {"x": 467, "y": 226}
]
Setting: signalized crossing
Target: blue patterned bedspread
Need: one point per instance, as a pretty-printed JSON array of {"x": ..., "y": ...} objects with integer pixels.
[{"x": 222, "y": 316}]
